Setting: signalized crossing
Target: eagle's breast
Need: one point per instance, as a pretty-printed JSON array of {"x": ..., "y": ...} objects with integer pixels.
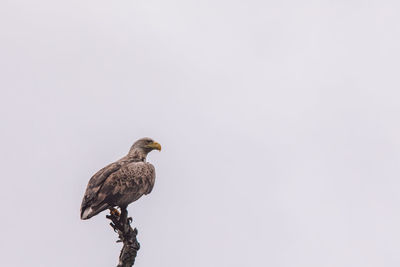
[{"x": 131, "y": 182}]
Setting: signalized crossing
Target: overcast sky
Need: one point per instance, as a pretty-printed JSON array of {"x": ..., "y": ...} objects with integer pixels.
[{"x": 279, "y": 122}]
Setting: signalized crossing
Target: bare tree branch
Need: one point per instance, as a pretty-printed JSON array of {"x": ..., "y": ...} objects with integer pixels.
[{"x": 121, "y": 224}]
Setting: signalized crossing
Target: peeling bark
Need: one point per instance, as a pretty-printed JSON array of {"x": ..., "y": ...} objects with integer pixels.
[{"x": 122, "y": 225}]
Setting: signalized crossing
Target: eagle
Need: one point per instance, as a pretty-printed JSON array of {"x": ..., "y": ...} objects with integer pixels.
[{"x": 122, "y": 182}]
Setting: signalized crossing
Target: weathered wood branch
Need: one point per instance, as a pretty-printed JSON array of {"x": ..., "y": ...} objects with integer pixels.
[{"x": 122, "y": 225}]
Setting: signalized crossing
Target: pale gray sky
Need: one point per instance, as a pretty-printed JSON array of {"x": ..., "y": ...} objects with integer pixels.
[{"x": 279, "y": 122}]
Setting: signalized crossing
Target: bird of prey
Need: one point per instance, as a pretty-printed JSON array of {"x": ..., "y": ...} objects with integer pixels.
[{"x": 122, "y": 182}]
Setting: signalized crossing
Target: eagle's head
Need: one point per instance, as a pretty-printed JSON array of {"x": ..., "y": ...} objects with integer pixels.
[{"x": 143, "y": 146}]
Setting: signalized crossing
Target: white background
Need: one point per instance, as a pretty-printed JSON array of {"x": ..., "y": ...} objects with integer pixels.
[{"x": 279, "y": 122}]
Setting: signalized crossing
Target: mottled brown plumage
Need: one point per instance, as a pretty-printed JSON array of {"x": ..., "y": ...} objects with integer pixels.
[{"x": 122, "y": 182}]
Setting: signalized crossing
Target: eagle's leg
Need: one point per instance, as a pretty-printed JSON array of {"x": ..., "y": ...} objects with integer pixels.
[
  {"x": 115, "y": 219},
  {"x": 115, "y": 212}
]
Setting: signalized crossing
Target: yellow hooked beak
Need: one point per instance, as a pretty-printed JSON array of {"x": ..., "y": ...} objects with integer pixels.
[{"x": 154, "y": 145}]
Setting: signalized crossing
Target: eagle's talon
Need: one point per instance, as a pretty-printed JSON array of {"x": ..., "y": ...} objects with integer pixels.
[{"x": 114, "y": 227}]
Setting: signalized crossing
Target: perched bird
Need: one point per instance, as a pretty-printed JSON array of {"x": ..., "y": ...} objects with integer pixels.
[{"x": 122, "y": 182}]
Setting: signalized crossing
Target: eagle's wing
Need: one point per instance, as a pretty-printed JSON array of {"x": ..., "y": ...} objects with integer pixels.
[
  {"x": 95, "y": 184},
  {"x": 125, "y": 185}
]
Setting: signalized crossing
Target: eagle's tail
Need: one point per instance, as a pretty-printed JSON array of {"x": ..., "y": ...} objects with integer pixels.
[{"x": 89, "y": 212}]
